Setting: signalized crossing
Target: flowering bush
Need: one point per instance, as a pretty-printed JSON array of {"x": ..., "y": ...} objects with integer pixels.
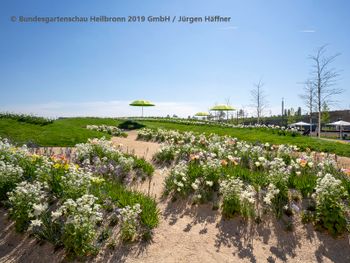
[
  {"x": 79, "y": 219},
  {"x": 280, "y": 130},
  {"x": 330, "y": 211},
  {"x": 112, "y": 130},
  {"x": 10, "y": 175},
  {"x": 166, "y": 154},
  {"x": 237, "y": 198},
  {"x": 202, "y": 161},
  {"x": 104, "y": 158},
  {"x": 28, "y": 202},
  {"x": 58, "y": 201},
  {"x": 178, "y": 180},
  {"x": 76, "y": 182},
  {"x": 129, "y": 218}
]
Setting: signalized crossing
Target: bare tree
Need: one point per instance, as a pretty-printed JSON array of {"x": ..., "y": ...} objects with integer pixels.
[
  {"x": 228, "y": 103},
  {"x": 259, "y": 99},
  {"x": 308, "y": 98},
  {"x": 323, "y": 78}
]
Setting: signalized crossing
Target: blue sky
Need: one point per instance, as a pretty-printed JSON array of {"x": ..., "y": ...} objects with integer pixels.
[{"x": 97, "y": 68}]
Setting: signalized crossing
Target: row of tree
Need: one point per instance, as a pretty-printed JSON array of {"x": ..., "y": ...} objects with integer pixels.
[{"x": 318, "y": 93}]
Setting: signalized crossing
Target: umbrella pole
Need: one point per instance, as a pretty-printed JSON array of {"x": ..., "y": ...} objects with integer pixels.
[{"x": 142, "y": 111}]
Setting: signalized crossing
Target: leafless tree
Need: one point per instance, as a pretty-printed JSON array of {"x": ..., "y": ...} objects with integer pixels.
[
  {"x": 323, "y": 79},
  {"x": 259, "y": 99},
  {"x": 308, "y": 98},
  {"x": 228, "y": 103}
]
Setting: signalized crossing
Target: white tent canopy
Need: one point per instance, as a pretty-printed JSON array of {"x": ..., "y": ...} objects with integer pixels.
[
  {"x": 339, "y": 123},
  {"x": 300, "y": 123}
]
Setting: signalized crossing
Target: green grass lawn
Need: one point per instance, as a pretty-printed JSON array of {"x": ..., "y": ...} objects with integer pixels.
[
  {"x": 70, "y": 131},
  {"x": 62, "y": 132}
]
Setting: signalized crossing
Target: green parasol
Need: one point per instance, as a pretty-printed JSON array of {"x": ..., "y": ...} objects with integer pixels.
[
  {"x": 142, "y": 103},
  {"x": 222, "y": 107},
  {"x": 202, "y": 114}
]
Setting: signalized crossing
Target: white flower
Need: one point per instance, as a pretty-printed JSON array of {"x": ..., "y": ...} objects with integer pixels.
[
  {"x": 209, "y": 183},
  {"x": 272, "y": 191},
  {"x": 39, "y": 209},
  {"x": 56, "y": 214},
  {"x": 36, "y": 222},
  {"x": 194, "y": 186}
]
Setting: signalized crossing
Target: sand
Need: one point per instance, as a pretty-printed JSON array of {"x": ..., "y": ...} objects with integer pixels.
[{"x": 191, "y": 233}]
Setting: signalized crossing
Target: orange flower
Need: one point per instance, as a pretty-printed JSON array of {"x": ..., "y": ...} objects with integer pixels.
[
  {"x": 223, "y": 162},
  {"x": 231, "y": 142},
  {"x": 194, "y": 157},
  {"x": 302, "y": 163},
  {"x": 347, "y": 171},
  {"x": 59, "y": 158},
  {"x": 234, "y": 162}
]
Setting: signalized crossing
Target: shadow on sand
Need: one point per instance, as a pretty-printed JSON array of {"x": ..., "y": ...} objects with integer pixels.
[{"x": 241, "y": 236}]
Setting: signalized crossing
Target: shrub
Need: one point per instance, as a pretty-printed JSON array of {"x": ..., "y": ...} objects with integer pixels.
[
  {"x": 28, "y": 202},
  {"x": 143, "y": 168},
  {"x": 112, "y": 130},
  {"x": 238, "y": 198},
  {"x": 330, "y": 210},
  {"x": 130, "y": 125},
  {"x": 129, "y": 218},
  {"x": 79, "y": 219},
  {"x": 166, "y": 155},
  {"x": 27, "y": 118},
  {"x": 103, "y": 158},
  {"x": 10, "y": 175}
]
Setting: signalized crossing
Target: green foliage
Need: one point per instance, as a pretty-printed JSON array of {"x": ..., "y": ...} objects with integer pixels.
[
  {"x": 165, "y": 156},
  {"x": 305, "y": 183},
  {"x": 143, "y": 168},
  {"x": 10, "y": 175},
  {"x": 130, "y": 125},
  {"x": 325, "y": 117},
  {"x": 129, "y": 222},
  {"x": 26, "y": 118},
  {"x": 28, "y": 202},
  {"x": 124, "y": 197},
  {"x": 330, "y": 211},
  {"x": 238, "y": 198}
]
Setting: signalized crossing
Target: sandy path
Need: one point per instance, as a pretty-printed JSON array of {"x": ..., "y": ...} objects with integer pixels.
[{"x": 193, "y": 234}]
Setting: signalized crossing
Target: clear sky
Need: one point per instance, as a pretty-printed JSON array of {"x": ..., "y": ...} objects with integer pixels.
[{"x": 70, "y": 69}]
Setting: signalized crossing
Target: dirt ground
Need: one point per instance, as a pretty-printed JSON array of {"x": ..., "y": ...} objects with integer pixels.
[{"x": 190, "y": 233}]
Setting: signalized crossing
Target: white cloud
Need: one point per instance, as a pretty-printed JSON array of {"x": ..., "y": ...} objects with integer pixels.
[
  {"x": 104, "y": 109},
  {"x": 307, "y": 31},
  {"x": 229, "y": 28}
]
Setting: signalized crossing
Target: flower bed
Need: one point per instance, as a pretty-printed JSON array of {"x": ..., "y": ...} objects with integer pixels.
[
  {"x": 75, "y": 203},
  {"x": 111, "y": 130},
  {"x": 275, "y": 129},
  {"x": 253, "y": 179}
]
